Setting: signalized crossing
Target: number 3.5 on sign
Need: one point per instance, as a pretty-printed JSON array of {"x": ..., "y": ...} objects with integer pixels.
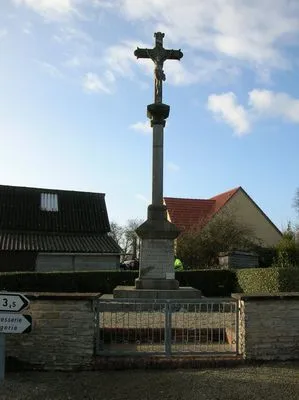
[{"x": 13, "y": 302}]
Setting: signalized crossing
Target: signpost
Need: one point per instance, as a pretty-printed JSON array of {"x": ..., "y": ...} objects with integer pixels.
[
  {"x": 15, "y": 323},
  {"x": 12, "y": 322},
  {"x": 15, "y": 302}
]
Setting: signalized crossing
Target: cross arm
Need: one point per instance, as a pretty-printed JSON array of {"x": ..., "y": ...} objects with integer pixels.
[
  {"x": 173, "y": 54},
  {"x": 141, "y": 53}
]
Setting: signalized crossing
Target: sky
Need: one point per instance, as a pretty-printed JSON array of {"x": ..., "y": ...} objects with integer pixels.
[{"x": 73, "y": 99}]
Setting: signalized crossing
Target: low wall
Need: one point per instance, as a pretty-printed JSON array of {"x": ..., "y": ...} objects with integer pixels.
[
  {"x": 62, "y": 334},
  {"x": 269, "y": 326}
]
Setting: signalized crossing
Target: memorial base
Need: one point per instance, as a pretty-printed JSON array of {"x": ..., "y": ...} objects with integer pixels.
[{"x": 132, "y": 293}]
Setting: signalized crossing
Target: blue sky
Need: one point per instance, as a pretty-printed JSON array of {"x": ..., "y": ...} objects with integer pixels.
[{"x": 73, "y": 99}]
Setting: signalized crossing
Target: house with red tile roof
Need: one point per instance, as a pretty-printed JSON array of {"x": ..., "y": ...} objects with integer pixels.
[{"x": 189, "y": 213}]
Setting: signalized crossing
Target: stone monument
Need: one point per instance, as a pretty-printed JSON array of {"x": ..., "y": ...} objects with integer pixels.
[{"x": 156, "y": 265}]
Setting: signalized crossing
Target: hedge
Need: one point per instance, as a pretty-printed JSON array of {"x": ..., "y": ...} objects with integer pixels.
[
  {"x": 211, "y": 282},
  {"x": 268, "y": 280},
  {"x": 81, "y": 282}
]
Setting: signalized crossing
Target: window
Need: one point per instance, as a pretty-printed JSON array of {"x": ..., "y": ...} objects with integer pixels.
[{"x": 49, "y": 202}]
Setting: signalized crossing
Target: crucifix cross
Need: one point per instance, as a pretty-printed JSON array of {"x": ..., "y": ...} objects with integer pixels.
[{"x": 158, "y": 55}]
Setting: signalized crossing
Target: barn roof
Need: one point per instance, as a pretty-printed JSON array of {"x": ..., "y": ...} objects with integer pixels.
[{"x": 54, "y": 220}]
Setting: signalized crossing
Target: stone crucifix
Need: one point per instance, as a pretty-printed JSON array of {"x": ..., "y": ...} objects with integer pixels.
[
  {"x": 158, "y": 113},
  {"x": 157, "y": 234},
  {"x": 158, "y": 55}
]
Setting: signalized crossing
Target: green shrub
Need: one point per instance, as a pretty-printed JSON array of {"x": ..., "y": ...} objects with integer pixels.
[
  {"x": 268, "y": 280},
  {"x": 211, "y": 282},
  {"x": 215, "y": 282},
  {"x": 81, "y": 282},
  {"x": 266, "y": 256},
  {"x": 287, "y": 250}
]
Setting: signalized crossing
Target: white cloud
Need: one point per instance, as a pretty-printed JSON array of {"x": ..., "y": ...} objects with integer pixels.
[
  {"x": 143, "y": 127},
  {"x": 51, "y": 9},
  {"x": 271, "y": 104},
  {"x": 261, "y": 104},
  {"x": 249, "y": 32},
  {"x": 228, "y": 36},
  {"x": 109, "y": 76},
  {"x": 120, "y": 58},
  {"x": 50, "y": 69},
  {"x": 225, "y": 106},
  {"x": 3, "y": 33},
  {"x": 254, "y": 32},
  {"x": 218, "y": 37},
  {"x": 69, "y": 34},
  {"x": 172, "y": 166},
  {"x": 93, "y": 83}
]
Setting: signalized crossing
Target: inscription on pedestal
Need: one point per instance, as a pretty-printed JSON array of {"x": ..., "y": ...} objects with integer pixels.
[{"x": 157, "y": 257}]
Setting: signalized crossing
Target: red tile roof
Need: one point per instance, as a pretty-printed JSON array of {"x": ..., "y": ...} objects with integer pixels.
[{"x": 185, "y": 213}]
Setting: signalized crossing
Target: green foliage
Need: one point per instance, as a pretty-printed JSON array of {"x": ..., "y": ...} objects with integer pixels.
[
  {"x": 81, "y": 282},
  {"x": 211, "y": 282},
  {"x": 266, "y": 255},
  {"x": 287, "y": 250},
  {"x": 201, "y": 246},
  {"x": 268, "y": 280}
]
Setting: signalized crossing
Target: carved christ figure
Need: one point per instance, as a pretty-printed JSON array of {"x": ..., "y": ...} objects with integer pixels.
[{"x": 158, "y": 55}]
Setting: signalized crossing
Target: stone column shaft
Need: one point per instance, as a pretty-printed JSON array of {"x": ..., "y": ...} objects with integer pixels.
[{"x": 157, "y": 184}]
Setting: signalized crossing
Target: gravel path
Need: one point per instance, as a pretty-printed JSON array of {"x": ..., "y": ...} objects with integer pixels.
[
  {"x": 271, "y": 381},
  {"x": 157, "y": 320}
]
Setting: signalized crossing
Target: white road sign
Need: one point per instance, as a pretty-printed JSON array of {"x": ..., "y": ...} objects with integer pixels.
[
  {"x": 15, "y": 323},
  {"x": 13, "y": 302}
]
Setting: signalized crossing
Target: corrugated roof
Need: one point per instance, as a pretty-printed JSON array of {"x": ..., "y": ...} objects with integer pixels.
[
  {"x": 185, "y": 213},
  {"x": 42, "y": 242},
  {"x": 78, "y": 212}
]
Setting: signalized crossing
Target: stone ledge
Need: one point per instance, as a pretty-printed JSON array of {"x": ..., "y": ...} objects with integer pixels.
[
  {"x": 131, "y": 293},
  {"x": 266, "y": 296},
  {"x": 61, "y": 296},
  {"x": 164, "y": 362}
]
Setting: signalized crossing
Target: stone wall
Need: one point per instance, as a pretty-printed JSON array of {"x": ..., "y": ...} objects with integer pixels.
[
  {"x": 63, "y": 330},
  {"x": 269, "y": 326},
  {"x": 62, "y": 334}
]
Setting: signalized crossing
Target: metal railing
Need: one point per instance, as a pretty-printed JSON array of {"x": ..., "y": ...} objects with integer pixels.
[{"x": 169, "y": 327}]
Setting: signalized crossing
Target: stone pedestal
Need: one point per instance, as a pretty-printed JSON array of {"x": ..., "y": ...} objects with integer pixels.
[{"x": 157, "y": 236}]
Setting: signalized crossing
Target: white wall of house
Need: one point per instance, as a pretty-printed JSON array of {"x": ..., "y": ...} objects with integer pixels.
[
  {"x": 247, "y": 212},
  {"x": 76, "y": 262}
]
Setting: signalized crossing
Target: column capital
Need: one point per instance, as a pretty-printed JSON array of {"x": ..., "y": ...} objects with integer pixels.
[{"x": 157, "y": 113}]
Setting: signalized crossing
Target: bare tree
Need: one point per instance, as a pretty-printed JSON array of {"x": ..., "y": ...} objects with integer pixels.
[
  {"x": 296, "y": 201},
  {"x": 126, "y": 237}
]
